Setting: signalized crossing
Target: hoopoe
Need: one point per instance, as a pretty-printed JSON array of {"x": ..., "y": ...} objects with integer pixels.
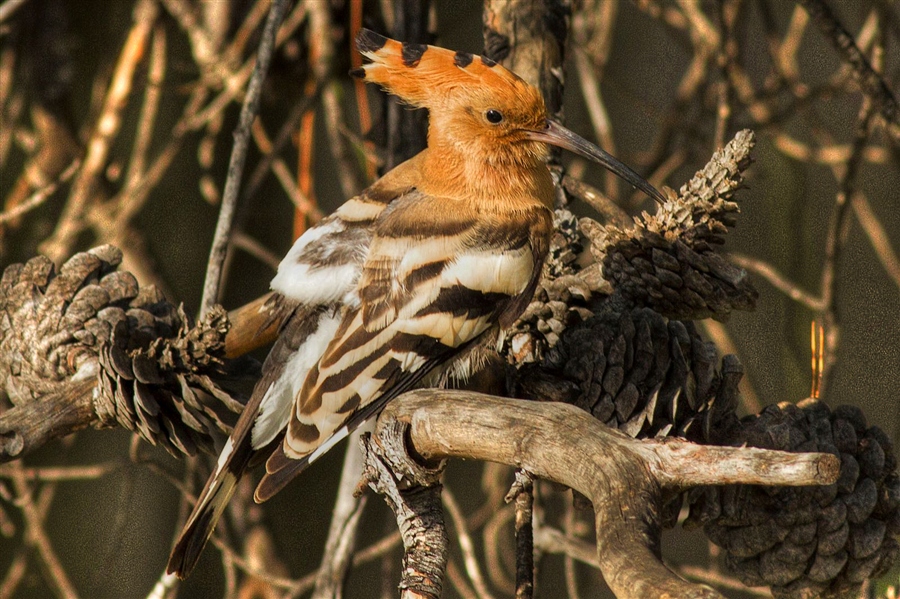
[{"x": 405, "y": 280}]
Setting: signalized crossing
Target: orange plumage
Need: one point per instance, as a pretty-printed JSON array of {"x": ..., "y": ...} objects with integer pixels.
[{"x": 407, "y": 280}]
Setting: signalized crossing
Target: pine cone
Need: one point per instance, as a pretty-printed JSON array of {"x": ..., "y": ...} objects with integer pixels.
[
  {"x": 810, "y": 541},
  {"x": 640, "y": 373},
  {"x": 163, "y": 390},
  {"x": 562, "y": 296},
  {"x": 90, "y": 320},
  {"x": 668, "y": 261}
]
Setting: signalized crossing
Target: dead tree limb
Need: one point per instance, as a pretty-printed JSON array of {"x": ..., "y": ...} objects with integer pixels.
[
  {"x": 412, "y": 489},
  {"x": 625, "y": 479}
]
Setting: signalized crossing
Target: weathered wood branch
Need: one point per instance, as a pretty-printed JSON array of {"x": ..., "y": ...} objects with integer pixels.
[
  {"x": 53, "y": 415},
  {"x": 412, "y": 489},
  {"x": 626, "y": 479}
]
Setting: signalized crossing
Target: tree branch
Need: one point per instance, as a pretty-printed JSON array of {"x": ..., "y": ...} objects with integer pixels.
[
  {"x": 413, "y": 492},
  {"x": 238, "y": 156},
  {"x": 624, "y": 478},
  {"x": 27, "y": 427}
]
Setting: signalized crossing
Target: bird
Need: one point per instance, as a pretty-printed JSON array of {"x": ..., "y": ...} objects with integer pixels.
[{"x": 404, "y": 282}]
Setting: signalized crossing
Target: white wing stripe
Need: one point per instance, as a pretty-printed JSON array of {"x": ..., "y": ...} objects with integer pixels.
[
  {"x": 508, "y": 272},
  {"x": 315, "y": 285},
  {"x": 275, "y": 408}
]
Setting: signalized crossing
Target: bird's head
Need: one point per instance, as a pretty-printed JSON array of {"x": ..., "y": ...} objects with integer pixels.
[{"x": 476, "y": 106}]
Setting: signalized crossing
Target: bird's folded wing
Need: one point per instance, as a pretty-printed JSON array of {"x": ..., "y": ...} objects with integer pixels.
[
  {"x": 430, "y": 286},
  {"x": 318, "y": 274}
]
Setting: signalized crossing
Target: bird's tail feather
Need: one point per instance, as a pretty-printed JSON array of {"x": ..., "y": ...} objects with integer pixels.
[{"x": 206, "y": 513}]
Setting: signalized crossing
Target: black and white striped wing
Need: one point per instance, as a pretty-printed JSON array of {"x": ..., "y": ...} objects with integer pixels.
[
  {"x": 315, "y": 280},
  {"x": 430, "y": 287}
]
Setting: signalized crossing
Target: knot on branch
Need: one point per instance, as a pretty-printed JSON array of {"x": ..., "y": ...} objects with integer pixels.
[
  {"x": 668, "y": 261},
  {"x": 92, "y": 322},
  {"x": 810, "y": 541}
]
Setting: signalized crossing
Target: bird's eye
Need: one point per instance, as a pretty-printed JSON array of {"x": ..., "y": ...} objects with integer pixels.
[{"x": 493, "y": 116}]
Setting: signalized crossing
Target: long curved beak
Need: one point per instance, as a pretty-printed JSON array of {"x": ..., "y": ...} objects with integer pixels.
[{"x": 557, "y": 135}]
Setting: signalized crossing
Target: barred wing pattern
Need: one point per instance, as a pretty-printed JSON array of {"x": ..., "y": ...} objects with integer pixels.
[
  {"x": 316, "y": 279},
  {"x": 298, "y": 332},
  {"x": 430, "y": 287}
]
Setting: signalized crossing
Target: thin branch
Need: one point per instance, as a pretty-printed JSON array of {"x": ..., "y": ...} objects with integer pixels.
[
  {"x": 871, "y": 82},
  {"x": 18, "y": 568},
  {"x": 549, "y": 540},
  {"x": 256, "y": 249},
  {"x": 345, "y": 518},
  {"x": 38, "y": 536},
  {"x": 238, "y": 156},
  {"x": 523, "y": 495},
  {"x": 359, "y": 89},
  {"x": 493, "y": 543},
  {"x": 836, "y": 240},
  {"x": 777, "y": 280},
  {"x": 40, "y": 196},
  {"x": 132, "y": 203},
  {"x": 72, "y": 221},
  {"x": 62, "y": 473},
  {"x": 877, "y": 235},
  {"x": 706, "y": 576},
  {"x": 571, "y": 522},
  {"x": 470, "y": 560},
  {"x": 9, "y": 7}
]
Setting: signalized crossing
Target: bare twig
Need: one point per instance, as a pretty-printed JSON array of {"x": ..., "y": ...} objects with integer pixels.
[
  {"x": 238, "y": 156},
  {"x": 523, "y": 495},
  {"x": 40, "y": 196},
  {"x": 348, "y": 508},
  {"x": 836, "y": 240},
  {"x": 470, "y": 560},
  {"x": 18, "y": 568},
  {"x": 38, "y": 536},
  {"x": 777, "y": 280},
  {"x": 63, "y": 473},
  {"x": 359, "y": 87},
  {"x": 726, "y": 582},
  {"x": 72, "y": 221},
  {"x": 493, "y": 535},
  {"x": 873, "y": 85},
  {"x": 9, "y": 7},
  {"x": 877, "y": 235},
  {"x": 611, "y": 213},
  {"x": 131, "y": 203}
]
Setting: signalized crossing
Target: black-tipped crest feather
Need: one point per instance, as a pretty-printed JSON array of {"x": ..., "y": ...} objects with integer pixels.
[
  {"x": 463, "y": 59},
  {"x": 369, "y": 41},
  {"x": 412, "y": 53}
]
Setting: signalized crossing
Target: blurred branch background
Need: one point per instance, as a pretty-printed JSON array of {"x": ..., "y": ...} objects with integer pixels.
[{"x": 115, "y": 127}]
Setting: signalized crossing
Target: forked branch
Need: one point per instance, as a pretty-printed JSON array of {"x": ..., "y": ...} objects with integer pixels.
[{"x": 625, "y": 479}]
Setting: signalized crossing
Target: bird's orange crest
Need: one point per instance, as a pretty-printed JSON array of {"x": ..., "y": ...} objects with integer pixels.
[{"x": 432, "y": 77}]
